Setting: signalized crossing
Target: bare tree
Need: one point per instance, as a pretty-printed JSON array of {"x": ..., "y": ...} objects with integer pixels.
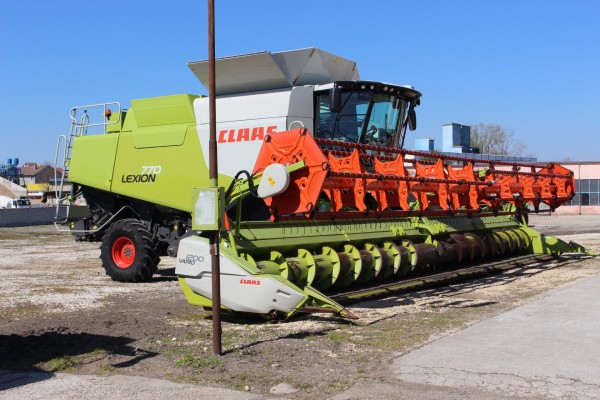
[{"x": 495, "y": 139}]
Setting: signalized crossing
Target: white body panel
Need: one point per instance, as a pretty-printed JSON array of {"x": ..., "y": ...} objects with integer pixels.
[
  {"x": 240, "y": 290},
  {"x": 244, "y": 119}
]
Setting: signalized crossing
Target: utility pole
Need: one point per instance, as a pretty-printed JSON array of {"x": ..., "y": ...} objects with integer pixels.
[{"x": 214, "y": 182}]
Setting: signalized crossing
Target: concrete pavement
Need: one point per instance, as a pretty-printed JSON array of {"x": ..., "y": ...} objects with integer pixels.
[
  {"x": 547, "y": 348},
  {"x": 60, "y": 386}
]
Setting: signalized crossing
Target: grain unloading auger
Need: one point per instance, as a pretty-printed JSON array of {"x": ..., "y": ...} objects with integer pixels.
[{"x": 342, "y": 214}]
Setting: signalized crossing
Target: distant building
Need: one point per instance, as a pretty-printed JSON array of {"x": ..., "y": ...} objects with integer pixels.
[
  {"x": 424, "y": 144},
  {"x": 456, "y": 138},
  {"x": 32, "y": 173},
  {"x": 587, "y": 188},
  {"x": 456, "y": 141}
]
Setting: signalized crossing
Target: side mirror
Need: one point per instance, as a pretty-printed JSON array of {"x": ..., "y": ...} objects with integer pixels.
[
  {"x": 412, "y": 118},
  {"x": 335, "y": 99}
]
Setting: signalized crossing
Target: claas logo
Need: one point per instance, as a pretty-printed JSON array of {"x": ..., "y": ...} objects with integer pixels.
[
  {"x": 254, "y": 282},
  {"x": 245, "y": 134}
]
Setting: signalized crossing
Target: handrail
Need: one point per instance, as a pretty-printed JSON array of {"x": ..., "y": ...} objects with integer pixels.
[
  {"x": 73, "y": 114},
  {"x": 58, "y": 189}
]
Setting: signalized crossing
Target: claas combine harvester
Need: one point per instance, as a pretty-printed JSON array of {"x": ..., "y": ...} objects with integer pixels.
[{"x": 317, "y": 195}]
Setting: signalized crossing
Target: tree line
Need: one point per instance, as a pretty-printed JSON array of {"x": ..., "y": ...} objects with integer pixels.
[{"x": 495, "y": 139}]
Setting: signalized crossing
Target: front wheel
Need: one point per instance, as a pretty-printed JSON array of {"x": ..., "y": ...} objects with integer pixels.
[{"x": 128, "y": 252}]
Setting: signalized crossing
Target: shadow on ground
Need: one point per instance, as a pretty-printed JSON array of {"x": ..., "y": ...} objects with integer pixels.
[{"x": 40, "y": 354}]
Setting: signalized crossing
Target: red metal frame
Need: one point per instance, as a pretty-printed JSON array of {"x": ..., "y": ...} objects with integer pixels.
[{"x": 347, "y": 173}]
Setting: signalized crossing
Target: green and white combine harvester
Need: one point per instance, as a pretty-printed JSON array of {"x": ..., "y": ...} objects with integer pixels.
[{"x": 317, "y": 194}]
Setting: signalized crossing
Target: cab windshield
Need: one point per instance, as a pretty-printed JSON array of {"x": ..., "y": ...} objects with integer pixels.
[{"x": 366, "y": 116}]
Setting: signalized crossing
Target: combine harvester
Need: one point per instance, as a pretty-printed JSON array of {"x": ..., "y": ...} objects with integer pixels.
[{"x": 317, "y": 193}]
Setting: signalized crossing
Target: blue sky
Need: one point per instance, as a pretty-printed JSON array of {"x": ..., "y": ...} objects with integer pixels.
[{"x": 530, "y": 66}]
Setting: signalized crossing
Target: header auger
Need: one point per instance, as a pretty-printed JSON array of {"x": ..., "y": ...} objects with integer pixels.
[{"x": 321, "y": 196}]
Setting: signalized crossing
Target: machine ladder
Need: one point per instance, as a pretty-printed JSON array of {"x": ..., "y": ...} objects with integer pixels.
[{"x": 82, "y": 119}]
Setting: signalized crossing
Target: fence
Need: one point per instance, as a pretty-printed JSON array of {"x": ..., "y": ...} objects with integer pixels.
[{"x": 10, "y": 217}]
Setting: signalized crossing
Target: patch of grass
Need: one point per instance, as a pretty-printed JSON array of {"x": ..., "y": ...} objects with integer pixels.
[
  {"x": 176, "y": 351},
  {"x": 69, "y": 363},
  {"x": 22, "y": 311},
  {"x": 201, "y": 315},
  {"x": 339, "y": 336},
  {"x": 311, "y": 338},
  {"x": 107, "y": 368},
  {"x": 11, "y": 236},
  {"x": 199, "y": 362},
  {"x": 227, "y": 341},
  {"x": 304, "y": 385},
  {"x": 6, "y": 234},
  {"x": 338, "y": 385},
  {"x": 189, "y": 336},
  {"x": 99, "y": 352},
  {"x": 65, "y": 363},
  {"x": 181, "y": 379}
]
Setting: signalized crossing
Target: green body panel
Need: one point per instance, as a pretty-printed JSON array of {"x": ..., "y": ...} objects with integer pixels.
[
  {"x": 165, "y": 110},
  {"x": 159, "y": 136},
  {"x": 162, "y": 175},
  {"x": 129, "y": 124},
  {"x": 93, "y": 160},
  {"x": 153, "y": 154},
  {"x": 116, "y": 122}
]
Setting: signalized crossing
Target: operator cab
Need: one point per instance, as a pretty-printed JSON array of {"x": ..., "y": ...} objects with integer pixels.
[{"x": 365, "y": 112}]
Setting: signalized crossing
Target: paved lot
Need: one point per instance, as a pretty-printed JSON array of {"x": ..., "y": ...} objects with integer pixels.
[
  {"x": 61, "y": 386},
  {"x": 548, "y": 348}
]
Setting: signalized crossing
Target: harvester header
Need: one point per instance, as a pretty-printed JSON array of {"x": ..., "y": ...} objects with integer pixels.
[{"x": 375, "y": 181}]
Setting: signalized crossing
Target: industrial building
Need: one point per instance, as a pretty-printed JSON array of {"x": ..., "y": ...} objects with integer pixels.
[{"x": 587, "y": 188}]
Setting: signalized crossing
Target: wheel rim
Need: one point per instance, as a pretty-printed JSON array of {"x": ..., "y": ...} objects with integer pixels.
[{"x": 123, "y": 252}]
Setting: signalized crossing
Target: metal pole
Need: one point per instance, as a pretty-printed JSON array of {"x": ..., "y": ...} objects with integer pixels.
[
  {"x": 579, "y": 179},
  {"x": 214, "y": 182}
]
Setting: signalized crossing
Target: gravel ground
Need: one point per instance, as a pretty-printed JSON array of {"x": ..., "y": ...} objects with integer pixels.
[{"x": 61, "y": 314}]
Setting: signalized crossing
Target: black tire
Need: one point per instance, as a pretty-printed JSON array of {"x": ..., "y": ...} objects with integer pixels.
[{"x": 128, "y": 252}]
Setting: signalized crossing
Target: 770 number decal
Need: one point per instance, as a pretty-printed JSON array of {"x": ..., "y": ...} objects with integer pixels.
[{"x": 149, "y": 173}]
